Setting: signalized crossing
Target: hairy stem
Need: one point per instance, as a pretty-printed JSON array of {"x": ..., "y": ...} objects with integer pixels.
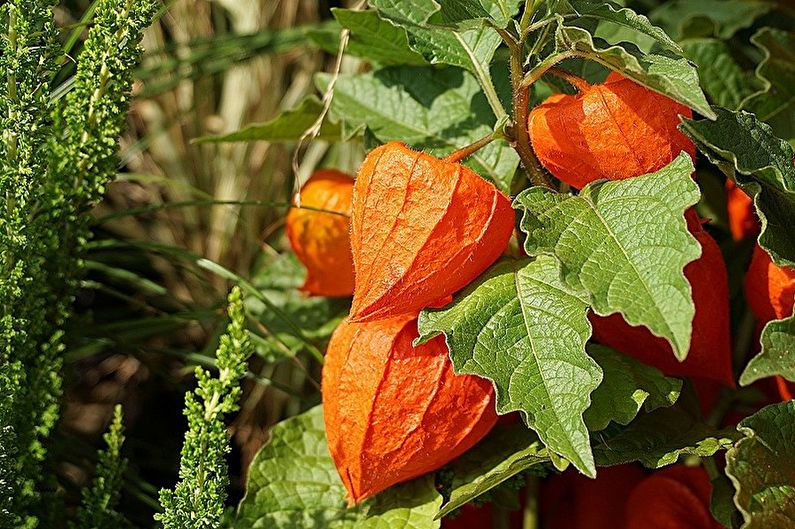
[
  {"x": 577, "y": 82},
  {"x": 521, "y": 137},
  {"x": 460, "y": 154}
]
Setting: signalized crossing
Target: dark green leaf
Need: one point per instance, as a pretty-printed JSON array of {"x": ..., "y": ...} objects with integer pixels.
[
  {"x": 726, "y": 84},
  {"x": 658, "y": 439},
  {"x": 775, "y": 104},
  {"x": 746, "y": 150},
  {"x": 293, "y": 484},
  {"x": 762, "y": 467},
  {"x": 447, "y": 13},
  {"x": 626, "y": 243},
  {"x": 290, "y": 125},
  {"x": 778, "y": 353},
  {"x": 522, "y": 328},
  {"x": 504, "y": 453},
  {"x": 376, "y": 39},
  {"x": 627, "y": 387},
  {"x": 471, "y": 49},
  {"x": 703, "y": 18}
]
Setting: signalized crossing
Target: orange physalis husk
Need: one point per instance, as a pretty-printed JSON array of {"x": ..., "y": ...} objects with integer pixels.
[
  {"x": 394, "y": 412},
  {"x": 321, "y": 240},
  {"x": 709, "y": 356},
  {"x": 674, "y": 497},
  {"x": 625, "y": 497},
  {"x": 614, "y": 130},
  {"x": 421, "y": 229},
  {"x": 743, "y": 222},
  {"x": 769, "y": 289}
]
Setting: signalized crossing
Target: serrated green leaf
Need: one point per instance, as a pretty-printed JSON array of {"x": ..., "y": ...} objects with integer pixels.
[
  {"x": 663, "y": 70},
  {"x": 777, "y": 356},
  {"x": 504, "y": 453},
  {"x": 762, "y": 468},
  {"x": 376, "y": 39},
  {"x": 522, "y": 328},
  {"x": 471, "y": 49},
  {"x": 293, "y": 484},
  {"x": 447, "y": 13},
  {"x": 659, "y": 438},
  {"x": 724, "y": 81},
  {"x": 704, "y": 18},
  {"x": 775, "y": 104},
  {"x": 437, "y": 110},
  {"x": 627, "y": 387},
  {"x": 746, "y": 150},
  {"x": 626, "y": 243},
  {"x": 287, "y": 126},
  {"x": 622, "y": 17}
]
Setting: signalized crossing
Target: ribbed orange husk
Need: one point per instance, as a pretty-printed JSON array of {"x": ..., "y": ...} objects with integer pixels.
[
  {"x": 394, "y": 412},
  {"x": 624, "y": 497},
  {"x": 675, "y": 497},
  {"x": 322, "y": 240},
  {"x": 769, "y": 289},
  {"x": 709, "y": 356},
  {"x": 614, "y": 130},
  {"x": 421, "y": 229},
  {"x": 743, "y": 222}
]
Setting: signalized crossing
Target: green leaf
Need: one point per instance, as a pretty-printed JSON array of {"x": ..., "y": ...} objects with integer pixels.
[
  {"x": 627, "y": 387},
  {"x": 504, "y": 453},
  {"x": 522, "y": 328},
  {"x": 376, "y": 39},
  {"x": 293, "y": 484},
  {"x": 437, "y": 110},
  {"x": 626, "y": 243},
  {"x": 777, "y": 356},
  {"x": 278, "y": 279},
  {"x": 746, "y": 150},
  {"x": 724, "y": 81},
  {"x": 704, "y": 18},
  {"x": 290, "y": 125},
  {"x": 660, "y": 438},
  {"x": 614, "y": 15},
  {"x": 447, "y": 13},
  {"x": 662, "y": 70},
  {"x": 471, "y": 49},
  {"x": 762, "y": 468},
  {"x": 775, "y": 104}
]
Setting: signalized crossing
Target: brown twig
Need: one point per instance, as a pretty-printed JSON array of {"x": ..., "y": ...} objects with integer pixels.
[{"x": 460, "y": 154}]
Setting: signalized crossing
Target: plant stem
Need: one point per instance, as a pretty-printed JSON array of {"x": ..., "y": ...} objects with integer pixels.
[
  {"x": 521, "y": 137},
  {"x": 577, "y": 82},
  {"x": 541, "y": 68},
  {"x": 460, "y": 154},
  {"x": 484, "y": 78},
  {"x": 530, "y": 511}
]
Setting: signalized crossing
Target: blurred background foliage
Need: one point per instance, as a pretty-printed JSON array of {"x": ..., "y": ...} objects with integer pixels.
[{"x": 185, "y": 220}]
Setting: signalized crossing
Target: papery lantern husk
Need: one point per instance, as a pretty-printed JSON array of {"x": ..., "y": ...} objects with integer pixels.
[
  {"x": 615, "y": 130},
  {"x": 769, "y": 288},
  {"x": 321, "y": 239},
  {"x": 394, "y": 412},
  {"x": 421, "y": 229}
]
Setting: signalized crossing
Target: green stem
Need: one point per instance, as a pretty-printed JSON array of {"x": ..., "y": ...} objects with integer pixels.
[
  {"x": 460, "y": 154},
  {"x": 519, "y": 131},
  {"x": 530, "y": 511},
  {"x": 541, "y": 68},
  {"x": 484, "y": 78}
]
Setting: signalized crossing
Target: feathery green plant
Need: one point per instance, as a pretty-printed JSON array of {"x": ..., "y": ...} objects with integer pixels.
[
  {"x": 197, "y": 502},
  {"x": 100, "y": 499},
  {"x": 56, "y": 156}
]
